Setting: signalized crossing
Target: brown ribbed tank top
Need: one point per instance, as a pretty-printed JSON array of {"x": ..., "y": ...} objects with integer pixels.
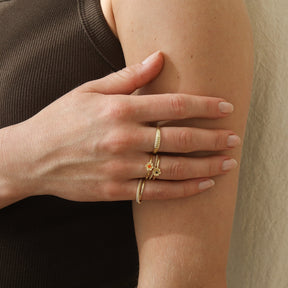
[{"x": 47, "y": 48}]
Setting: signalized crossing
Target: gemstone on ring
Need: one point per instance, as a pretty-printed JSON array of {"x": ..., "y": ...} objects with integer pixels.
[
  {"x": 156, "y": 172},
  {"x": 149, "y": 166}
]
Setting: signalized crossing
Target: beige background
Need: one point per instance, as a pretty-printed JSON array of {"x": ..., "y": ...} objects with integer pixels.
[{"x": 259, "y": 245}]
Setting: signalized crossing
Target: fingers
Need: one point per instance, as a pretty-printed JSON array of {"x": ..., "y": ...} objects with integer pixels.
[
  {"x": 184, "y": 139},
  {"x": 180, "y": 177},
  {"x": 160, "y": 190},
  {"x": 128, "y": 79},
  {"x": 191, "y": 175},
  {"x": 183, "y": 168},
  {"x": 172, "y": 167},
  {"x": 158, "y": 107},
  {"x": 170, "y": 189}
]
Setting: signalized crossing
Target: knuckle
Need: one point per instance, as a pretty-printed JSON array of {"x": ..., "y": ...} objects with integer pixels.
[
  {"x": 74, "y": 97},
  {"x": 132, "y": 73},
  {"x": 178, "y": 105},
  {"x": 117, "y": 143},
  {"x": 160, "y": 192},
  {"x": 220, "y": 141},
  {"x": 85, "y": 87},
  {"x": 210, "y": 107},
  {"x": 176, "y": 169},
  {"x": 212, "y": 169},
  {"x": 120, "y": 110},
  {"x": 133, "y": 70},
  {"x": 123, "y": 74},
  {"x": 113, "y": 168},
  {"x": 111, "y": 191},
  {"x": 185, "y": 141}
]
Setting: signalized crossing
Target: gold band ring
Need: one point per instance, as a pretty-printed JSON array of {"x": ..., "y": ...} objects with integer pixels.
[
  {"x": 140, "y": 189},
  {"x": 157, "y": 140}
]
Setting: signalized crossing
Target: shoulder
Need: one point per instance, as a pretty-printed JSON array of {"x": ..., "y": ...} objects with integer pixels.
[{"x": 109, "y": 15}]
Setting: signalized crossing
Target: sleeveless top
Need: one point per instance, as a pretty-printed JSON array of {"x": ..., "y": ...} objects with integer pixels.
[{"x": 47, "y": 48}]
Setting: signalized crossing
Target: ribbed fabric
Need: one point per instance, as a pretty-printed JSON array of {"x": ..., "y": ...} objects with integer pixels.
[
  {"x": 103, "y": 40},
  {"x": 47, "y": 48}
]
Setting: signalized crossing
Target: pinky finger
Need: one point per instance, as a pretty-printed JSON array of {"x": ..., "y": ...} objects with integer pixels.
[{"x": 163, "y": 190}]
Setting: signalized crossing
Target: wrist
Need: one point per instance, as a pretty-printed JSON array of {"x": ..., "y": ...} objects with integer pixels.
[{"x": 14, "y": 183}]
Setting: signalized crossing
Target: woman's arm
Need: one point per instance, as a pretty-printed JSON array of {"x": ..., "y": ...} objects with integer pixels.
[
  {"x": 209, "y": 51},
  {"x": 67, "y": 157}
]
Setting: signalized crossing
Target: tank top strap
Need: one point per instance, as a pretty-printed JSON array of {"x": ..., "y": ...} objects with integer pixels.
[{"x": 100, "y": 34}]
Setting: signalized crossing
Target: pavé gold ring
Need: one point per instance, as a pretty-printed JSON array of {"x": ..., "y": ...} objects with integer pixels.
[{"x": 157, "y": 140}]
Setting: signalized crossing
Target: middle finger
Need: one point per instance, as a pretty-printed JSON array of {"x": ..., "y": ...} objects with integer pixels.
[{"x": 186, "y": 139}]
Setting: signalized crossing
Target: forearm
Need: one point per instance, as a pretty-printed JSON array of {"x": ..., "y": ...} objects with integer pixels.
[{"x": 185, "y": 243}]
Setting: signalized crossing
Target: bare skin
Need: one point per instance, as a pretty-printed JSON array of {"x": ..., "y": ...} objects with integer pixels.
[
  {"x": 208, "y": 49},
  {"x": 99, "y": 130}
]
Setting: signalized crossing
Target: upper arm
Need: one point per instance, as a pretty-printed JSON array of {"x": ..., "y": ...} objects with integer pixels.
[
  {"x": 207, "y": 47},
  {"x": 208, "y": 51},
  {"x": 202, "y": 40}
]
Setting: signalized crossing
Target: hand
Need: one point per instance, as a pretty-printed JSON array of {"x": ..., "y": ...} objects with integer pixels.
[{"x": 92, "y": 144}]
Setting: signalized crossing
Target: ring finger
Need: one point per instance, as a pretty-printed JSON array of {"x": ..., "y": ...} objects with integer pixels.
[{"x": 183, "y": 168}]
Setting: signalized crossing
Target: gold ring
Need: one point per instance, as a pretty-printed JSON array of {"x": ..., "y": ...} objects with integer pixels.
[
  {"x": 156, "y": 170},
  {"x": 149, "y": 167},
  {"x": 157, "y": 140},
  {"x": 140, "y": 189}
]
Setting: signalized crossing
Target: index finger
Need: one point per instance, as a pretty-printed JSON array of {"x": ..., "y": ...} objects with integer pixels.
[{"x": 158, "y": 107}]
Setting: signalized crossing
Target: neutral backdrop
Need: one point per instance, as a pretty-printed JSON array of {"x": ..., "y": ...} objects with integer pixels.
[{"x": 259, "y": 246}]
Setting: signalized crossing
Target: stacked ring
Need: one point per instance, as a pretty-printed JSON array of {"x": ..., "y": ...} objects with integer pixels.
[
  {"x": 149, "y": 167},
  {"x": 140, "y": 189},
  {"x": 157, "y": 140},
  {"x": 156, "y": 170},
  {"x": 152, "y": 168}
]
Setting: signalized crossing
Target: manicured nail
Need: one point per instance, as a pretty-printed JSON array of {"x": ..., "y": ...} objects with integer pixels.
[
  {"x": 229, "y": 164},
  {"x": 233, "y": 141},
  {"x": 226, "y": 107},
  {"x": 206, "y": 184},
  {"x": 151, "y": 58}
]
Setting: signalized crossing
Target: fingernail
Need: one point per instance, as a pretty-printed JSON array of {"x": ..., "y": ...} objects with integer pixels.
[
  {"x": 206, "y": 184},
  {"x": 151, "y": 58},
  {"x": 226, "y": 107},
  {"x": 233, "y": 141},
  {"x": 229, "y": 164}
]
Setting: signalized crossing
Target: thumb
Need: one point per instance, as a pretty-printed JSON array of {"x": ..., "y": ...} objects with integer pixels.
[{"x": 130, "y": 78}]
